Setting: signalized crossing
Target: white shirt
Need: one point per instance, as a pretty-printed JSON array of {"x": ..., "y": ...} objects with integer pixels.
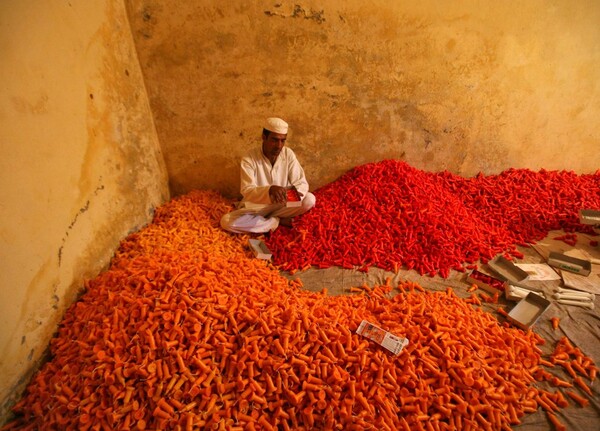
[{"x": 257, "y": 175}]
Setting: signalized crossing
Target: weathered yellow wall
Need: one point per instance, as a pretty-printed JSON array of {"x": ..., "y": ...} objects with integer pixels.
[
  {"x": 80, "y": 164},
  {"x": 468, "y": 86}
]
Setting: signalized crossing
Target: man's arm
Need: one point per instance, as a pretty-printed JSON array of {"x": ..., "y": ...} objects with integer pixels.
[{"x": 296, "y": 175}]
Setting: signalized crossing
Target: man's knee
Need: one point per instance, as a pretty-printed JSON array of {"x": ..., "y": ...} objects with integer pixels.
[
  {"x": 309, "y": 201},
  {"x": 226, "y": 222}
]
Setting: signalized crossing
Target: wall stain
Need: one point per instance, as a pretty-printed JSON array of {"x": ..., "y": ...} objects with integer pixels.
[
  {"x": 23, "y": 106},
  {"x": 80, "y": 212},
  {"x": 299, "y": 12}
]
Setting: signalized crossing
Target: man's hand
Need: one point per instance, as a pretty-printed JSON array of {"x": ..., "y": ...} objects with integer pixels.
[{"x": 278, "y": 194}]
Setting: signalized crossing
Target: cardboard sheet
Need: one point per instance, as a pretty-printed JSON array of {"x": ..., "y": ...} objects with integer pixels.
[{"x": 587, "y": 284}]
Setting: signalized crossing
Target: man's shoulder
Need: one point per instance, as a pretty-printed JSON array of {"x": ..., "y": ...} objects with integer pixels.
[
  {"x": 253, "y": 154},
  {"x": 254, "y": 151},
  {"x": 288, "y": 152}
]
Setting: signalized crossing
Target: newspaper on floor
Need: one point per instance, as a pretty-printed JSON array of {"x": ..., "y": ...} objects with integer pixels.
[{"x": 382, "y": 337}]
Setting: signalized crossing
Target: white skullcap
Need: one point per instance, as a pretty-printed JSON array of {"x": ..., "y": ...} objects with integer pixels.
[{"x": 276, "y": 125}]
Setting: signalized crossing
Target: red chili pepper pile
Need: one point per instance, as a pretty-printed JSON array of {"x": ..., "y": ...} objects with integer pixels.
[{"x": 389, "y": 215}]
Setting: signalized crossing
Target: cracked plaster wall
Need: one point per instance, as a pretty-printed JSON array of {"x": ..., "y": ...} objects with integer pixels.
[
  {"x": 80, "y": 168},
  {"x": 467, "y": 86}
]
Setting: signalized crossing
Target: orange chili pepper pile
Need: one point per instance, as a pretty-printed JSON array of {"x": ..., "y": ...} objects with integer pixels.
[
  {"x": 186, "y": 330},
  {"x": 389, "y": 214}
]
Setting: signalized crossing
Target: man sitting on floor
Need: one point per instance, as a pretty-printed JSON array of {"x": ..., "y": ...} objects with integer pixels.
[{"x": 267, "y": 174}]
